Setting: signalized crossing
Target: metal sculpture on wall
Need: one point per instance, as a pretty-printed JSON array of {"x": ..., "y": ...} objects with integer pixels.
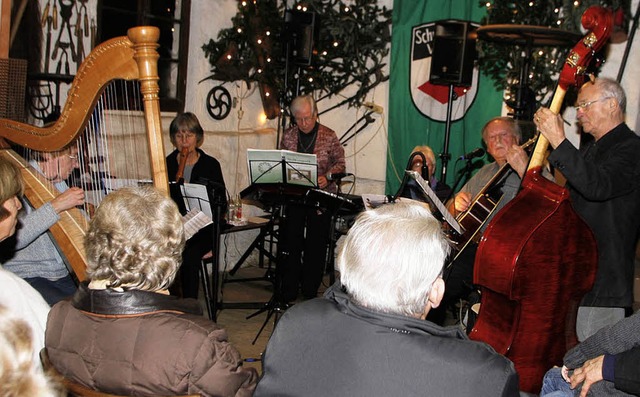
[{"x": 218, "y": 102}]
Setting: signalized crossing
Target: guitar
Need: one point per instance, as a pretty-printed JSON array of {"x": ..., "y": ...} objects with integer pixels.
[{"x": 482, "y": 206}]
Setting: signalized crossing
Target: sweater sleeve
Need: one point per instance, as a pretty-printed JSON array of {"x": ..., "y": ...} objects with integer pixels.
[
  {"x": 34, "y": 224},
  {"x": 613, "y": 339}
]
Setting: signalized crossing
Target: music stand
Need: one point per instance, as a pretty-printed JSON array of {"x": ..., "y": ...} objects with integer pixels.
[
  {"x": 278, "y": 177},
  {"x": 205, "y": 199}
]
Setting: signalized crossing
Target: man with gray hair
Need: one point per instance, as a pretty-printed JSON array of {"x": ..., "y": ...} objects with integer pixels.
[
  {"x": 502, "y": 137},
  {"x": 603, "y": 178},
  {"x": 367, "y": 336}
]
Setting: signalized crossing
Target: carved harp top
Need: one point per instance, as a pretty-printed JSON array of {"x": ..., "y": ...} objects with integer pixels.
[
  {"x": 128, "y": 58},
  {"x": 133, "y": 57}
]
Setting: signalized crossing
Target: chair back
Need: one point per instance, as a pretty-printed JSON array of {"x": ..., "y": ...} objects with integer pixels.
[{"x": 75, "y": 389}]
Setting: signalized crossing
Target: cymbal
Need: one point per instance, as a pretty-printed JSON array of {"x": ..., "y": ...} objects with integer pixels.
[{"x": 527, "y": 35}]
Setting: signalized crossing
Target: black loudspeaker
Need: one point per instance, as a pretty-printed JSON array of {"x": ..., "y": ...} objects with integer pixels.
[
  {"x": 454, "y": 53},
  {"x": 300, "y": 32}
]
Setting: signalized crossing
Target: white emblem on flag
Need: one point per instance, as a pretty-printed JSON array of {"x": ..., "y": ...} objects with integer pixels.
[{"x": 430, "y": 99}]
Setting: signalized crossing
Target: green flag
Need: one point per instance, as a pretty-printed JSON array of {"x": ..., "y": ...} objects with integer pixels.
[{"x": 418, "y": 108}]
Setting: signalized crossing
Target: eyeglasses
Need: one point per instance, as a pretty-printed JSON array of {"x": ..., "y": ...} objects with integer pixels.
[
  {"x": 585, "y": 105},
  {"x": 185, "y": 135}
]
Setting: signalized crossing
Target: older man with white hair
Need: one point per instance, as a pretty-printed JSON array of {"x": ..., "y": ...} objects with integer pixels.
[
  {"x": 367, "y": 336},
  {"x": 603, "y": 177}
]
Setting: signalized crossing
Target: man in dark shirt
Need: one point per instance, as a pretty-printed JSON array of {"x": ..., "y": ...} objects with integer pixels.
[{"x": 603, "y": 178}]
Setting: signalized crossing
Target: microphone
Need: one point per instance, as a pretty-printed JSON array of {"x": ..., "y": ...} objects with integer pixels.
[
  {"x": 337, "y": 175},
  {"x": 477, "y": 152}
]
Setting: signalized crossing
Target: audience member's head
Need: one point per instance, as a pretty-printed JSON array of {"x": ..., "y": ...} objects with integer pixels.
[
  {"x": 417, "y": 164},
  {"x": 499, "y": 134},
  {"x": 11, "y": 189},
  {"x": 392, "y": 259},
  {"x": 19, "y": 374},
  {"x": 57, "y": 166},
  {"x": 135, "y": 240},
  {"x": 186, "y": 123}
]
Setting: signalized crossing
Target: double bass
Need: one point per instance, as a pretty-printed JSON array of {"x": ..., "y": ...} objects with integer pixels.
[{"x": 537, "y": 257}]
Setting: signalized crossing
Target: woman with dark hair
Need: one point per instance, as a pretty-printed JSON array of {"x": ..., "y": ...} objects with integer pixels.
[{"x": 188, "y": 163}]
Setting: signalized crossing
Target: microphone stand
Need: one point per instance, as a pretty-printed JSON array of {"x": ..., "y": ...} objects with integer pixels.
[{"x": 465, "y": 174}]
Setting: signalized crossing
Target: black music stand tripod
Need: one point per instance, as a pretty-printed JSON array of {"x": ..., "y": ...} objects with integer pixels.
[{"x": 276, "y": 305}]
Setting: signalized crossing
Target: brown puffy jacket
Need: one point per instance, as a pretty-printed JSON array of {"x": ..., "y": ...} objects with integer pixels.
[{"x": 143, "y": 343}]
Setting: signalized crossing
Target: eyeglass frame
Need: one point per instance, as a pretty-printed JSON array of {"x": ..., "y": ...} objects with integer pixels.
[{"x": 584, "y": 106}]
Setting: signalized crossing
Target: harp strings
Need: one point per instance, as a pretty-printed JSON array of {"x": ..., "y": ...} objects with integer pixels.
[{"x": 112, "y": 151}]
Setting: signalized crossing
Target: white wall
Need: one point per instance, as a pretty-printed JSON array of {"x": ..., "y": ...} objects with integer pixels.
[{"x": 366, "y": 154}]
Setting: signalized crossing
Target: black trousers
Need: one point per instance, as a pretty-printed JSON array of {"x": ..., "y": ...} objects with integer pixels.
[
  {"x": 194, "y": 250},
  {"x": 302, "y": 249}
]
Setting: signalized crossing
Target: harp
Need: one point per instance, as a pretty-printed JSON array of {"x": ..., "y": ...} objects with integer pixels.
[{"x": 86, "y": 119}]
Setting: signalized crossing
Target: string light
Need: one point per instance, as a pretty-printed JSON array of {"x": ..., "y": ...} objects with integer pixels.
[
  {"x": 531, "y": 4},
  {"x": 239, "y": 30},
  {"x": 259, "y": 41},
  {"x": 488, "y": 5},
  {"x": 335, "y": 44},
  {"x": 244, "y": 3},
  {"x": 576, "y": 3}
]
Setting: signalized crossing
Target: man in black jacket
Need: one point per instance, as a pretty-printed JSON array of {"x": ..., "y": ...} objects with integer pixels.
[
  {"x": 367, "y": 336},
  {"x": 603, "y": 178}
]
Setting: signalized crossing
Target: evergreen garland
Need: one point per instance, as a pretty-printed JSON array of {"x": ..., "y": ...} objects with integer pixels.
[{"x": 351, "y": 44}]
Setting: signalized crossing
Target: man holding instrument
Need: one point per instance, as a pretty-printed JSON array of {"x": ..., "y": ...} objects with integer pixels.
[
  {"x": 501, "y": 135},
  {"x": 603, "y": 177}
]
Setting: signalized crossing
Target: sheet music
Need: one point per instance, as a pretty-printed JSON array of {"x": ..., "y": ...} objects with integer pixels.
[
  {"x": 265, "y": 166},
  {"x": 196, "y": 197},
  {"x": 194, "y": 220},
  {"x": 436, "y": 201}
]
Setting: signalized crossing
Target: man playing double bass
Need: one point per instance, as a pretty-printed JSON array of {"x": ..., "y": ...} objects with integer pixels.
[{"x": 603, "y": 178}]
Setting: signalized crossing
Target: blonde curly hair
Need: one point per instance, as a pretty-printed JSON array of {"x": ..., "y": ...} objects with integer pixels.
[{"x": 135, "y": 240}]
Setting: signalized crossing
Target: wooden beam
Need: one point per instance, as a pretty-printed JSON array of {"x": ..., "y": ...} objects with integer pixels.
[{"x": 5, "y": 28}]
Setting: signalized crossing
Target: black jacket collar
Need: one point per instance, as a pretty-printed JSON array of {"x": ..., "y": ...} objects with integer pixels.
[
  {"x": 396, "y": 322},
  {"x": 110, "y": 302}
]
